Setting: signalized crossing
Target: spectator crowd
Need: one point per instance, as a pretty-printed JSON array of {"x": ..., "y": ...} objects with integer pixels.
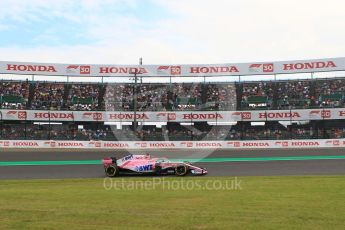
[
  {"x": 14, "y": 95},
  {"x": 48, "y": 96},
  {"x": 160, "y": 97},
  {"x": 175, "y": 96},
  {"x": 240, "y": 131}
]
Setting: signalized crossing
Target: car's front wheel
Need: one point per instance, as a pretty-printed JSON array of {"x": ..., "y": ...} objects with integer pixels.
[
  {"x": 181, "y": 170},
  {"x": 112, "y": 170}
]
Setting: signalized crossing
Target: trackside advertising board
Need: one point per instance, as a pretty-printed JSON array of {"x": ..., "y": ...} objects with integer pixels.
[
  {"x": 262, "y": 144},
  {"x": 189, "y": 70},
  {"x": 177, "y": 116}
]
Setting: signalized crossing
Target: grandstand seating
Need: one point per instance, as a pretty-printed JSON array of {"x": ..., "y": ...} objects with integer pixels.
[
  {"x": 316, "y": 93},
  {"x": 14, "y": 95},
  {"x": 183, "y": 96},
  {"x": 175, "y": 132}
]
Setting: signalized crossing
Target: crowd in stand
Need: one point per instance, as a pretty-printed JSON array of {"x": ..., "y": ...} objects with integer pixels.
[
  {"x": 176, "y": 96},
  {"x": 83, "y": 97},
  {"x": 14, "y": 95},
  {"x": 293, "y": 94},
  {"x": 258, "y": 89},
  {"x": 186, "y": 96},
  {"x": 175, "y": 133},
  {"x": 118, "y": 97},
  {"x": 54, "y": 132},
  {"x": 330, "y": 93},
  {"x": 159, "y": 97},
  {"x": 149, "y": 97},
  {"x": 181, "y": 96},
  {"x": 221, "y": 97},
  {"x": 48, "y": 96}
]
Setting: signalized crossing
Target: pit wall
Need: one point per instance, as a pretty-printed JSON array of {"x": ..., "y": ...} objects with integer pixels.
[{"x": 264, "y": 144}]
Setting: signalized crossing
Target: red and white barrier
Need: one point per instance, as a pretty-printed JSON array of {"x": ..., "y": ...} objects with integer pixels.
[{"x": 264, "y": 144}]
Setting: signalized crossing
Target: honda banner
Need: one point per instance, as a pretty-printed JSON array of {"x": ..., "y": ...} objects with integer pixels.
[
  {"x": 177, "y": 116},
  {"x": 263, "y": 144},
  {"x": 226, "y": 69}
]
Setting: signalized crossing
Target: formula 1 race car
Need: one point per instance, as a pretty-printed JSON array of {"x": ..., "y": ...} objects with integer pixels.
[{"x": 145, "y": 164}]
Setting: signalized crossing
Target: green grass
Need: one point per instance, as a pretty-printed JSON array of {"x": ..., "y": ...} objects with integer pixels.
[{"x": 291, "y": 202}]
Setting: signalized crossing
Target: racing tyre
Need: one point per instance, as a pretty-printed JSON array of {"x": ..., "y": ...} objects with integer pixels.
[
  {"x": 181, "y": 170},
  {"x": 112, "y": 170}
]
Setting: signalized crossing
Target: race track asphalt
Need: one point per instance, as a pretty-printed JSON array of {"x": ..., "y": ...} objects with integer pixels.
[{"x": 246, "y": 168}]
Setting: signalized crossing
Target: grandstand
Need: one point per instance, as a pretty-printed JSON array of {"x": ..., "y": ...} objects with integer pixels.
[{"x": 186, "y": 99}]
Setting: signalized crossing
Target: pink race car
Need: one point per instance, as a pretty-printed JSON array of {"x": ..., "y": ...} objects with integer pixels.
[{"x": 145, "y": 164}]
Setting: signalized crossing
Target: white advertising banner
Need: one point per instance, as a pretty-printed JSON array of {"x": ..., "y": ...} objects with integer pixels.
[
  {"x": 264, "y": 144},
  {"x": 226, "y": 69},
  {"x": 177, "y": 116}
]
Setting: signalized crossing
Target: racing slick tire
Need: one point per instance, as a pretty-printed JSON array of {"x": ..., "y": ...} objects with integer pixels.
[
  {"x": 112, "y": 170},
  {"x": 181, "y": 170}
]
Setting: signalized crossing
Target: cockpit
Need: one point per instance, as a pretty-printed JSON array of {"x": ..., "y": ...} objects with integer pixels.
[{"x": 162, "y": 160}]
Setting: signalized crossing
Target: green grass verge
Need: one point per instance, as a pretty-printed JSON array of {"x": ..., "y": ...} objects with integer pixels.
[{"x": 291, "y": 202}]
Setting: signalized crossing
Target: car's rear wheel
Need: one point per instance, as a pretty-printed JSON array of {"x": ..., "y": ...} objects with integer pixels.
[
  {"x": 112, "y": 170},
  {"x": 181, "y": 170}
]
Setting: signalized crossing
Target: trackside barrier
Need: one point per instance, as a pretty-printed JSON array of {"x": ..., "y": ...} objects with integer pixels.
[{"x": 264, "y": 144}]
